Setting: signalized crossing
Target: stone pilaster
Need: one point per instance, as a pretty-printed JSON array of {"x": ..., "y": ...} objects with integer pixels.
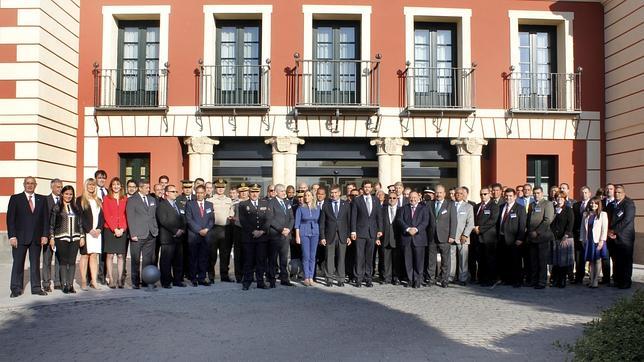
[
  {"x": 469, "y": 152},
  {"x": 389, "y": 151},
  {"x": 284, "y": 158},
  {"x": 200, "y": 156}
]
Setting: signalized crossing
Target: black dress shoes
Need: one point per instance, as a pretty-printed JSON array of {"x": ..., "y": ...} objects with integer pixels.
[
  {"x": 205, "y": 283},
  {"x": 395, "y": 282},
  {"x": 444, "y": 284},
  {"x": 271, "y": 284},
  {"x": 195, "y": 283},
  {"x": 262, "y": 286},
  {"x": 245, "y": 287},
  {"x": 71, "y": 290},
  {"x": 369, "y": 284},
  {"x": 47, "y": 289},
  {"x": 226, "y": 280},
  {"x": 15, "y": 294},
  {"x": 180, "y": 285},
  {"x": 136, "y": 286},
  {"x": 167, "y": 286},
  {"x": 65, "y": 289},
  {"x": 462, "y": 284},
  {"x": 286, "y": 283},
  {"x": 341, "y": 284},
  {"x": 358, "y": 284}
]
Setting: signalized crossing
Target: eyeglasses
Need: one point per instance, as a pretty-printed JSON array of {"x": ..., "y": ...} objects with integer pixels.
[
  {"x": 172, "y": 191},
  {"x": 271, "y": 190},
  {"x": 393, "y": 198},
  {"x": 484, "y": 194}
]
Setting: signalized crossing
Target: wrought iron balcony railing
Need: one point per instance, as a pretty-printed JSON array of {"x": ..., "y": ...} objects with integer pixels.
[
  {"x": 429, "y": 88},
  {"x": 130, "y": 88},
  {"x": 545, "y": 92},
  {"x": 234, "y": 86},
  {"x": 339, "y": 84}
]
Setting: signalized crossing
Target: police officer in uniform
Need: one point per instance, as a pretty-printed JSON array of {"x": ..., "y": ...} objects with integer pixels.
[
  {"x": 254, "y": 216},
  {"x": 182, "y": 200}
]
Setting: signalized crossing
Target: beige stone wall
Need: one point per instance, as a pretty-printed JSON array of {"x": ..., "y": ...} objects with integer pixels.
[{"x": 624, "y": 127}]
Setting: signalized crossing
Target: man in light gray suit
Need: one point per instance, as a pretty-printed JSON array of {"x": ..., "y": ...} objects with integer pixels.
[
  {"x": 441, "y": 234},
  {"x": 142, "y": 224},
  {"x": 459, "y": 249}
]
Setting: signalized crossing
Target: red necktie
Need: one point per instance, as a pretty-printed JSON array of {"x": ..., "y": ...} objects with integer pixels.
[
  {"x": 201, "y": 208},
  {"x": 480, "y": 209},
  {"x": 505, "y": 214},
  {"x": 31, "y": 203}
]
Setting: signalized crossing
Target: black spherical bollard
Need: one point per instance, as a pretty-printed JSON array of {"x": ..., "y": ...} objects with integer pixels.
[{"x": 150, "y": 275}]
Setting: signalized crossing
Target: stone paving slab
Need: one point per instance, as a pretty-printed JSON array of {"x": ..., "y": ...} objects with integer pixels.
[{"x": 222, "y": 322}]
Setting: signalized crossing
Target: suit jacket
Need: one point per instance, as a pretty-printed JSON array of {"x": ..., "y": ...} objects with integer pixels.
[
  {"x": 87, "y": 218},
  {"x": 513, "y": 227},
  {"x": 445, "y": 221},
  {"x": 600, "y": 228},
  {"x": 623, "y": 221},
  {"x": 255, "y": 218},
  {"x": 390, "y": 228},
  {"x": 195, "y": 221},
  {"x": 51, "y": 202},
  {"x": 464, "y": 221},
  {"x": 487, "y": 216},
  {"x": 141, "y": 218},
  {"x": 182, "y": 200},
  {"x": 169, "y": 222},
  {"x": 540, "y": 215},
  {"x": 281, "y": 217},
  {"x": 419, "y": 221},
  {"x": 25, "y": 225},
  {"x": 331, "y": 227},
  {"x": 364, "y": 225},
  {"x": 562, "y": 225},
  {"x": 578, "y": 210}
]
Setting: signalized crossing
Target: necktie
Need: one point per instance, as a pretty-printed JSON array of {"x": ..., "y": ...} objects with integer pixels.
[
  {"x": 367, "y": 200},
  {"x": 174, "y": 205},
  {"x": 283, "y": 206},
  {"x": 413, "y": 211},
  {"x": 335, "y": 208},
  {"x": 400, "y": 201},
  {"x": 505, "y": 214},
  {"x": 31, "y": 203},
  {"x": 145, "y": 200},
  {"x": 201, "y": 208},
  {"x": 438, "y": 207},
  {"x": 56, "y": 200},
  {"x": 392, "y": 214},
  {"x": 102, "y": 193},
  {"x": 255, "y": 204},
  {"x": 480, "y": 209}
]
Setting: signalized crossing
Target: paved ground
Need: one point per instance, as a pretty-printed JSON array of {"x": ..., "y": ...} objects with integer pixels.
[{"x": 224, "y": 323}]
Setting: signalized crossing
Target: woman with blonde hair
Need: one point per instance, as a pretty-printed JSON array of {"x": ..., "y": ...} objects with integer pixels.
[
  {"x": 114, "y": 237},
  {"x": 593, "y": 234},
  {"x": 307, "y": 234},
  {"x": 90, "y": 206}
]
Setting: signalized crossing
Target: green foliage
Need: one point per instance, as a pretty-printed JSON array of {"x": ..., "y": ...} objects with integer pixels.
[{"x": 618, "y": 334}]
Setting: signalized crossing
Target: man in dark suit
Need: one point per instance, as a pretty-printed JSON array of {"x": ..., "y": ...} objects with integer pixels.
[
  {"x": 578, "y": 209},
  {"x": 142, "y": 225},
  {"x": 335, "y": 220},
  {"x": 487, "y": 214},
  {"x": 441, "y": 233},
  {"x": 48, "y": 253},
  {"x": 172, "y": 226},
  {"x": 254, "y": 216},
  {"x": 540, "y": 215},
  {"x": 412, "y": 223},
  {"x": 365, "y": 229},
  {"x": 279, "y": 234},
  {"x": 200, "y": 220},
  {"x": 185, "y": 196},
  {"x": 608, "y": 204},
  {"x": 402, "y": 200},
  {"x": 622, "y": 232},
  {"x": 27, "y": 229},
  {"x": 389, "y": 245},
  {"x": 512, "y": 224}
]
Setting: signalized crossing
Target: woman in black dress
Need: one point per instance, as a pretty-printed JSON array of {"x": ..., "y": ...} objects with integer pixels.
[{"x": 563, "y": 244}]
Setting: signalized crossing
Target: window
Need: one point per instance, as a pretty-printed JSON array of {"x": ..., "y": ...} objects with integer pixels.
[
  {"x": 537, "y": 67},
  {"x": 238, "y": 70},
  {"x": 134, "y": 166},
  {"x": 542, "y": 171},
  {"x": 434, "y": 64},
  {"x": 138, "y": 63},
  {"x": 336, "y": 64}
]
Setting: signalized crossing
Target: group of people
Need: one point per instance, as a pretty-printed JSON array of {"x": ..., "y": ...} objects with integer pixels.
[{"x": 515, "y": 236}]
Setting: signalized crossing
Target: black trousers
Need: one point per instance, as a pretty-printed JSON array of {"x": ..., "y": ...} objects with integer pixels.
[
  {"x": 19, "y": 254},
  {"x": 414, "y": 258},
  {"x": 335, "y": 254},
  {"x": 474, "y": 258},
  {"x": 580, "y": 263},
  {"x": 388, "y": 263},
  {"x": 66, "y": 257},
  {"x": 623, "y": 263},
  {"x": 350, "y": 260},
  {"x": 606, "y": 272},
  {"x": 278, "y": 256},
  {"x": 487, "y": 262},
  {"x": 254, "y": 261},
  {"x": 527, "y": 263},
  {"x": 215, "y": 242},
  {"x": 234, "y": 234},
  {"x": 432, "y": 253},
  {"x": 141, "y": 255},
  {"x": 198, "y": 255},
  {"x": 512, "y": 261},
  {"x": 225, "y": 248},
  {"x": 47, "y": 258},
  {"x": 539, "y": 263},
  {"x": 363, "y": 269},
  {"x": 171, "y": 263},
  {"x": 101, "y": 268}
]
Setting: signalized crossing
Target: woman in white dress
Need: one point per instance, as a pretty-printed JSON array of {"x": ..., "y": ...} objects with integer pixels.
[{"x": 92, "y": 218}]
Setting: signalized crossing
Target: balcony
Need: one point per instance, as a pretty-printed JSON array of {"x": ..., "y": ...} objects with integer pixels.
[
  {"x": 244, "y": 88},
  {"x": 544, "y": 92},
  {"x": 439, "y": 90},
  {"x": 130, "y": 89},
  {"x": 342, "y": 86}
]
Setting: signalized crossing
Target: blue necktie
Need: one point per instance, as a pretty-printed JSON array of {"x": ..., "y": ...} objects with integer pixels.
[{"x": 335, "y": 208}]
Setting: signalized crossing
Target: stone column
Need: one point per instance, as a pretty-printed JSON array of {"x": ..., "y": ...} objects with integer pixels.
[
  {"x": 389, "y": 159},
  {"x": 200, "y": 155},
  {"x": 284, "y": 158},
  {"x": 469, "y": 164}
]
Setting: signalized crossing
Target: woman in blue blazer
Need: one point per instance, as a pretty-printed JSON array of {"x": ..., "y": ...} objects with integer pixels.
[{"x": 307, "y": 234}]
